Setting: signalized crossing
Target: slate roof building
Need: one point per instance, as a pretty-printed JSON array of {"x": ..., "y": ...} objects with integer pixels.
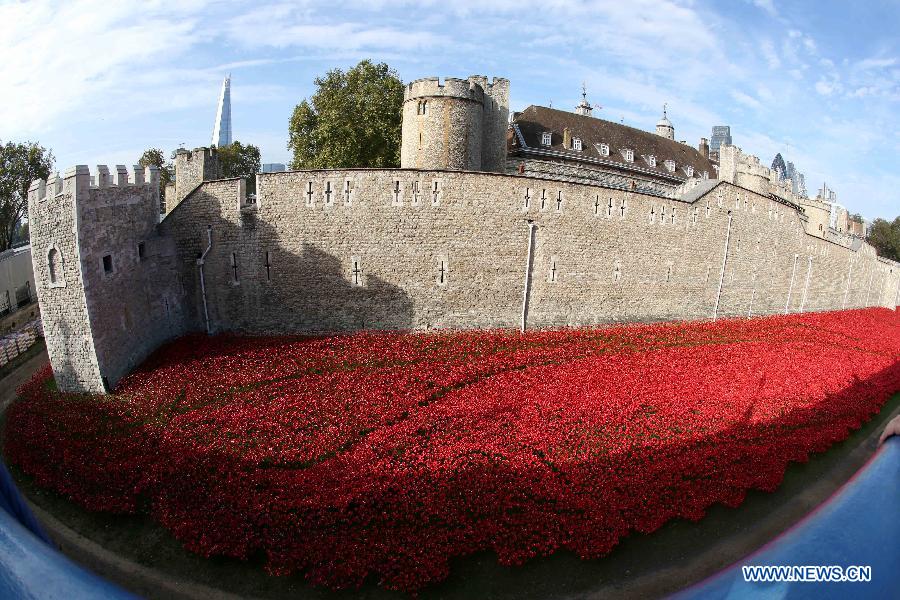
[{"x": 576, "y": 146}]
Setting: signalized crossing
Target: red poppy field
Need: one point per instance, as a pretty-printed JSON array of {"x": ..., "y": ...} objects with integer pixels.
[{"x": 387, "y": 454}]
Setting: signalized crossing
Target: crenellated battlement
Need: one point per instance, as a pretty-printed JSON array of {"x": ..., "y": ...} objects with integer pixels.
[
  {"x": 497, "y": 85},
  {"x": 202, "y": 152},
  {"x": 102, "y": 177},
  {"x": 451, "y": 87}
]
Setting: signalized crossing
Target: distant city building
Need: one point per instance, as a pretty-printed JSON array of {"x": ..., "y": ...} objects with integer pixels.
[
  {"x": 222, "y": 130},
  {"x": 801, "y": 185},
  {"x": 797, "y": 179},
  {"x": 273, "y": 168},
  {"x": 838, "y": 218},
  {"x": 826, "y": 194},
  {"x": 721, "y": 136}
]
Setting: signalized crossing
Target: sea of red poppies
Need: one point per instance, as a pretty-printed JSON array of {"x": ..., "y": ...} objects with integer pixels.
[{"x": 387, "y": 454}]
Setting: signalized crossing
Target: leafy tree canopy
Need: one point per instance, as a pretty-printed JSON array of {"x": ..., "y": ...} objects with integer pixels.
[
  {"x": 20, "y": 165},
  {"x": 885, "y": 237},
  {"x": 353, "y": 120},
  {"x": 239, "y": 160},
  {"x": 155, "y": 156}
]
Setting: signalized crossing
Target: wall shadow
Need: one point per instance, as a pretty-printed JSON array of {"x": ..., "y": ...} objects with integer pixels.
[{"x": 259, "y": 285}]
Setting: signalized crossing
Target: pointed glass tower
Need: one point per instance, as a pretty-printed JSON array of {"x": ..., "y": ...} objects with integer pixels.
[{"x": 222, "y": 131}]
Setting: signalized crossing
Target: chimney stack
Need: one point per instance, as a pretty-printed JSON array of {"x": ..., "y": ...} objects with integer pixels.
[{"x": 704, "y": 147}]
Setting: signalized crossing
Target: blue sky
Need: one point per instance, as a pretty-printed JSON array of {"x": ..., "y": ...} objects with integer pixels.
[{"x": 99, "y": 81}]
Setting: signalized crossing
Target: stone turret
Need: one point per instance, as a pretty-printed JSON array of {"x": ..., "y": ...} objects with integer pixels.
[
  {"x": 192, "y": 167},
  {"x": 455, "y": 124},
  {"x": 664, "y": 126},
  {"x": 107, "y": 285}
]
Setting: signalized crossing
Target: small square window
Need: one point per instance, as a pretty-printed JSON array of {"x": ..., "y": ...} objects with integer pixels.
[
  {"x": 603, "y": 149},
  {"x": 576, "y": 144},
  {"x": 546, "y": 138},
  {"x": 107, "y": 263},
  {"x": 142, "y": 251},
  {"x": 670, "y": 166}
]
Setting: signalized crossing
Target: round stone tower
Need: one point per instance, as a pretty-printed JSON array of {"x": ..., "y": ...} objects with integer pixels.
[{"x": 442, "y": 125}]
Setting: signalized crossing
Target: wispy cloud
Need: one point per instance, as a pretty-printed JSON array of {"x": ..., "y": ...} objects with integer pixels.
[
  {"x": 768, "y": 50},
  {"x": 746, "y": 99},
  {"x": 766, "y": 5}
]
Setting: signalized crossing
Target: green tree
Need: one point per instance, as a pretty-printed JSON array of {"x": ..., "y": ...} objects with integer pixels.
[
  {"x": 353, "y": 120},
  {"x": 240, "y": 160},
  {"x": 885, "y": 237},
  {"x": 155, "y": 156},
  {"x": 20, "y": 165}
]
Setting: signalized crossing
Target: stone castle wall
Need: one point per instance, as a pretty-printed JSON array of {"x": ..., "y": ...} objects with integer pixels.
[
  {"x": 341, "y": 250},
  {"x": 117, "y": 296},
  {"x": 53, "y": 223},
  {"x": 415, "y": 249}
]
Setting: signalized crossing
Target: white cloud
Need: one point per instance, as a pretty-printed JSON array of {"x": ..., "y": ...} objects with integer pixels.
[
  {"x": 57, "y": 60},
  {"x": 825, "y": 88},
  {"x": 285, "y": 26},
  {"x": 766, "y": 5},
  {"x": 876, "y": 63},
  {"x": 768, "y": 50},
  {"x": 746, "y": 99}
]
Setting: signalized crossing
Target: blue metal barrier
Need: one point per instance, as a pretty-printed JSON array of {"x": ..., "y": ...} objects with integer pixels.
[
  {"x": 12, "y": 502},
  {"x": 858, "y": 526},
  {"x": 30, "y": 566}
]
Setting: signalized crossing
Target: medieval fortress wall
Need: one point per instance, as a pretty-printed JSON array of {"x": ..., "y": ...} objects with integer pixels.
[
  {"x": 107, "y": 285},
  {"x": 410, "y": 249},
  {"x": 413, "y": 248}
]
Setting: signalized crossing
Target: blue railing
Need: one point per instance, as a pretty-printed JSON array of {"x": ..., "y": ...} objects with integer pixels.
[
  {"x": 30, "y": 566},
  {"x": 858, "y": 526}
]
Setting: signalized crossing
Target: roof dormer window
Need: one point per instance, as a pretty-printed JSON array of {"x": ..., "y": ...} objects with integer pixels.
[
  {"x": 651, "y": 160},
  {"x": 670, "y": 166},
  {"x": 546, "y": 138},
  {"x": 628, "y": 155},
  {"x": 603, "y": 149},
  {"x": 689, "y": 171},
  {"x": 705, "y": 174},
  {"x": 576, "y": 144}
]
